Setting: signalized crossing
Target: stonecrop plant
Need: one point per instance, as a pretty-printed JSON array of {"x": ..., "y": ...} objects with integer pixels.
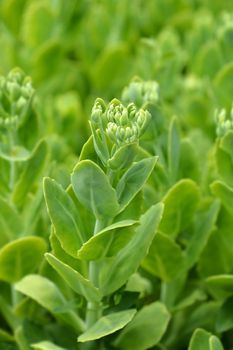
[
  {"x": 116, "y": 175},
  {"x": 99, "y": 224}
]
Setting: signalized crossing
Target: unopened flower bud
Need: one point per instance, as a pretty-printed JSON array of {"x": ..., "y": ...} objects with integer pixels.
[
  {"x": 21, "y": 104},
  {"x": 124, "y": 118}
]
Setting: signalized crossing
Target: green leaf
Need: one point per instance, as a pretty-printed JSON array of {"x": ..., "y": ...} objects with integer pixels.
[
  {"x": 180, "y": 204},
  {"x": 31, "y": 173},
  {"x": 93, "y": 189},
  {"x": 107, "y": 325},
  {"x": 146, "y": 329},
  {"x": 110, "y": 239},
  {"x": 59, "y": 252},
  {"x": 199, "y": 340},
  {"x": 33, "y": 34},
  {"x": 226, "y": 142},
  {"x": 224, "y": 165},
  {"x": 196, "y": 295},
  {"x": 123, "y": 157},
  {"x": 224, "y": 193},
  {"x": 205, "y": 224},
  {"x": 74, "y": 279},
  {"x": 47, "y": 294},
  {"x": 173, "y": 149},
  {"x": 46, "y": 345},
  {"x": 64, "y": 216},
  {"x": 224, "y": 84},
  {"x": 88, "y": 151},
  {"x": 10, "y": 222},
  {"x": 165, "y": 258},
  {"x": 43, "y": 291},
  {"x": 220, "y": 285},
  {"x": 189, "y": 161},
  {"x": 224, "y": 320},
  {"x": 116, "y": 272},
  {"x": 203, "y": 340},
  {"x": 133, "y": 180},
  {"x": 14, "y": 153},
  {"x": 215, "y": 344},
  {"x": 20, "y": 257}
]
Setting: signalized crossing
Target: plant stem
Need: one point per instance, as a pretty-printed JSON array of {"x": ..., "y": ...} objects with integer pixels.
[
  {"x": 94, "y": 309},
  {"x": 12, "y": 162}
]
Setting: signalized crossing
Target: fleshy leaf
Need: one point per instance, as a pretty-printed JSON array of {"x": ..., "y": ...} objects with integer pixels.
[
  {"x": 46, "y": 345},
  {"x": 112, "y": 238},
  {"x": 63, "y": 214},
  {"x": 224, "y": 193},
  {"x": 93, "y": 189},
  {"x": 10, "y": 221},
  {"x": 20, "y": 257},
  {"x": 204, "y": 226},
  {"x": 116, "y": 272},
  {"x": 153, "y": 319},
  {"x": 180, "y": 204},
  {"x": 31, "y": 173},
  {"x": 203, "y": 340},
  {"x": 165, "y": 258},
  {"x": 133, "y": 180},
  {"x": 47, "y": 294},
  {"x": 74, "y": 279},
  {"x": 107, "y": 325}
]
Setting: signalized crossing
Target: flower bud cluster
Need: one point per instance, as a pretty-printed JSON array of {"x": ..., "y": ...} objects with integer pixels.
[
  {"x": 120, "y": 124},
  {"x": 141, "y": 92},
  {"x": 15, "y": 93},
  {"x": 224, "y": 124}
]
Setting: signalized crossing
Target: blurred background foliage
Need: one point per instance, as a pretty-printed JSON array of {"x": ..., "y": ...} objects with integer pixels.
[{"x": 80, "y": 49}]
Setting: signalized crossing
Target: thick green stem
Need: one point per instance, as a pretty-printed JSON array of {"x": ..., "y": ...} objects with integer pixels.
[
  {"x": 94, "y": 309},
  {"x": 11, "y": 138}
]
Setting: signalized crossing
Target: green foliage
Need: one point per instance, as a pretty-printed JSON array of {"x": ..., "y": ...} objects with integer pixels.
[{"x": 132, "y": 246}]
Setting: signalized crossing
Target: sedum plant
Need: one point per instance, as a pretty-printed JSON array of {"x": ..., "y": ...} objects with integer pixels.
[
  {"x": 97, "y": 222},
  {"x": 105, "y": 188},
  {"x": 23, "y": 162}
]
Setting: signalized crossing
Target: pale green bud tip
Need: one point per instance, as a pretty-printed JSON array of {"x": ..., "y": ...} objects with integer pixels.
[
  {"x": 97, "y": 110},
  {"x": 223, "y": 124}
]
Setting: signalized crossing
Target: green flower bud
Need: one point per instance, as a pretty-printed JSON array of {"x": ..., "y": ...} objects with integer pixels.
[
  {"x": 128, "y": 132},
  {"x": 97, "y": 110},
  {"x": 120, "y": 134},
  {"x": 131, "y": 108},
  {"x": 124, "y": 118},
  {"x": 111, "y": 131},
  {"x": 21, "y": 104}
]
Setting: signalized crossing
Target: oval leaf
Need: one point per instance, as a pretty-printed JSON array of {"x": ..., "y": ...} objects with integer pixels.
[
  {"x": 180, "y": 204},
  {"x": 110, "y": 238},
  {"x": 153, "y": 319},
  {"x": 46, "y": 345},
  {"x": 93, "y": 189},
  {"x": 75, "y": 280},
  {"x": 64, "y": 216},
  {"x": 116, "y": 272},
  {"x": 165, "y": 258},
  {"x": 133, "y": 180},
  {"x": 20, "y": 257},
  {"x": 31, "y": 173},
  {"x": 47, "y": 294},
  {"x": 107, "y": 325}
]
